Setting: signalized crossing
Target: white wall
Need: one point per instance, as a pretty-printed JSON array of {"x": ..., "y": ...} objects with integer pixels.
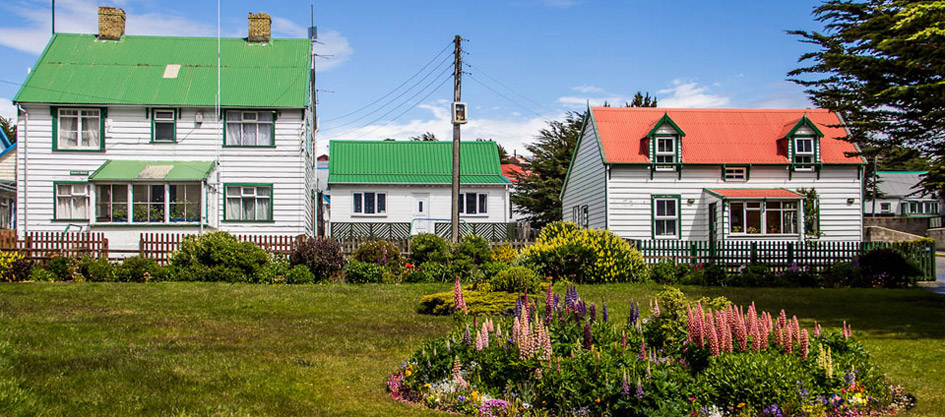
[
  {"x": 127, "y": 136},
  {"x": 400, "y": 203},
  {"x": 8, "y": 166},
  {"x": 630, "y": 190},
  {"x": 586, "y": 184}
]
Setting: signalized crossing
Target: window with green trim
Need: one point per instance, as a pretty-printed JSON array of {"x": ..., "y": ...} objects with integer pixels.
[
  {"x": 250, "y": 128},
  {"x": 79, "y": 129},
  {"x": 248, "y": 202},
  {"x": 164, "y": 126},
  {"x": 72, "y": 201},
  {"x": 666, "y": 217},
  {"x": 666, "y": 152},
  {"x": 804, "y": 153}
]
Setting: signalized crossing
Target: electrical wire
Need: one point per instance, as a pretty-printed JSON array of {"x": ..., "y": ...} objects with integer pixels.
[
  {"x": 448, "y": 45},
  {"x": 479, "y": 70},
  {"x": 528, "y": 109},
  {"x": 401, "y": 114}
]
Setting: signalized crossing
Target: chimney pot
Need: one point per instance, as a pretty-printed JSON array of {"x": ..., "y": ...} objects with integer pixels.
[
  {"x": 111, "y": 23},
  {"x": 260, "y": 27}
]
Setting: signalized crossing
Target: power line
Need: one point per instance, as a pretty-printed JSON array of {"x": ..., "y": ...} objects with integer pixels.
[
  {"x": 479, "y": 70},
  {"x": 401, "y": 114},
  {"x": 420, "y": 91},
  {"x": 507, "y": 98},
  {"x": 362, "y": 117},
  {"x": 396, "y": 88}
]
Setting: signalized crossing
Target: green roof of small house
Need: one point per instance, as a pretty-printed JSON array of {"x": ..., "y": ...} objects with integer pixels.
[
  {"x": 412, "y": 162},
  {"x": 123, "y": 170},
  {"x": 169, "y": 71}
]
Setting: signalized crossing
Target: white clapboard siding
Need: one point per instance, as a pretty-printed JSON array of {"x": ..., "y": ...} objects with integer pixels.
[
  {"x": 587, "y": 181},
  {"x": 401, "y": 200},
  {"x": 630, "y": 189},
  {"x": 128, "y": 136},
  {"x": 8, "y": 166}
]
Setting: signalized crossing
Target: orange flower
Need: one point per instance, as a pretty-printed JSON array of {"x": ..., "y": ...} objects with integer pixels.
[{"x": 597, "y": 401}]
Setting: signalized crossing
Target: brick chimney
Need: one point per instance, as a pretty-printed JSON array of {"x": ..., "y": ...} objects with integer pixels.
[
  {"x": 260, "y": 27},
  {"x": 111, "y": 23}
]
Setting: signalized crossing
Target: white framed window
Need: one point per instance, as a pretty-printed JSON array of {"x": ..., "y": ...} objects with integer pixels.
[
  {"x": 665, "y": 152},
  {"x": 473, "y": 203},
  {"x": 922, "y": 207},
  {"x": 736, "y": 173},
  {"x": 147, "y": 203},
  {"x": 885, "y": 207},
  {"x": 804, "y": 153},
  {"x": 666, "y": 217},
  {"x": 164, "y": 126},
  {"x": 183, "y": 202},
  {"x": 369, "y": 203},
  {"x": 111, "y": 203},
  {"x": 763, "y": 217},
  {"x": 248, "y": 202},
  {"x": 72, "y": 201},
  {"x": 79, "y": 129},
  {"x": 250, "y": 128},
  {"x": 585, "y": 219}
]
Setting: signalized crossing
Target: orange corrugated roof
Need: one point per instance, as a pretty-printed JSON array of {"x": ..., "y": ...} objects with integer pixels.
[
  {"x": 512, "y": 171},
  {"x": 756, "y": 193},
  {"x": 718, "y": 136}
]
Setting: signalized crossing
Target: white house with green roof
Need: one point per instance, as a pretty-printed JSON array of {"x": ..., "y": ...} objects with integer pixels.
[
  {"x": 395, "y": 189},
  {"x": 125, "y": 134}
]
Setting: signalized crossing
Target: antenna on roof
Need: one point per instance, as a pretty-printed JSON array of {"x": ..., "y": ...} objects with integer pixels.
[{"x": 53, "y": 17}]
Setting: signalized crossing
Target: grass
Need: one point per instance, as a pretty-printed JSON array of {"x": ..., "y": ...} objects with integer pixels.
[{"x": 225, "y": 349}]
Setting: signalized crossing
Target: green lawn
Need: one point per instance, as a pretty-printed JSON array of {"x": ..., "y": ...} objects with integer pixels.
[{"x": 224, "y": 349}]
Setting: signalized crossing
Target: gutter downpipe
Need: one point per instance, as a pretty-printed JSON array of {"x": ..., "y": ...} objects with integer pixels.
[{"x": 26, "y": 194}]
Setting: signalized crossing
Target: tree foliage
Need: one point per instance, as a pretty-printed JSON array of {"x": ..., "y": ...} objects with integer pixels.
[
  {"x": 880, "y": 64},
  {"x": 9, "y": 128},
  {"x": 537, "y": 195},
  {"x": 424, "y": 137},
  {"x": 641, "y": 100}
]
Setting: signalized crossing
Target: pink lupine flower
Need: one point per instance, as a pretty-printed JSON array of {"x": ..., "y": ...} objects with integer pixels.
[
  {"x": 458, "y": 302},
  {"x": 756, "y": 339},
  {"x": 713, "y": 339},
  {"x": 498, "y": 331},
  {"x": 485, "y": 335},
  {"x": 516, "y": 330},
  {"x": 816, "y": 329},
  {"x": 623, "y": 339},
  {"x": 782, "y": 319},
  {"x": 797, "y": 327},
  {"x": 805, "y": 344},
  {"x": 741, "y": 334},
  {"x": 643, "y": 348},
  {"x": 478, "y": 340},
  {"x": 726, "y": 338},
  {"x": 779, "y": 337},
  {"x": 788, "y": 339},
  {"x": 656, "y": 308},
  {"x": 458, "y": 373}
]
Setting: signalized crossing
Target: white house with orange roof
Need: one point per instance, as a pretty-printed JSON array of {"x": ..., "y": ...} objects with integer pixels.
[{"x": 716, "y": 174}]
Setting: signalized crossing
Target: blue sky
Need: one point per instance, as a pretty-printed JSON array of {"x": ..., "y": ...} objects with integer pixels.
[{"x": 547, "y": 56}]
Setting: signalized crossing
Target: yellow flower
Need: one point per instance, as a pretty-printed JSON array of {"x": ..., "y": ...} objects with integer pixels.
[
  {"x": 407, "y": 373},
  {"x": 740, "y": 405}
]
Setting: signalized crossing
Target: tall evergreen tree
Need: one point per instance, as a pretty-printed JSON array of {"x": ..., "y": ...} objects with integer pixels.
[
  {"x": 640, "y": 100},
  {"x": 537, "y": 194}
]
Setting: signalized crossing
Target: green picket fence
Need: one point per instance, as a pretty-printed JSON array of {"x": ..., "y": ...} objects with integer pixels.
[{"x": 780, "y": 255}]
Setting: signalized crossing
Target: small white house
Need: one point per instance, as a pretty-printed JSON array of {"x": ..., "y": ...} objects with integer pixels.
[
  {"x": 125, "y": 134},
  {"x": 715, "y": 174},
  {"x": 395, "y": 189},
  {"x": 900, "y": 195}
]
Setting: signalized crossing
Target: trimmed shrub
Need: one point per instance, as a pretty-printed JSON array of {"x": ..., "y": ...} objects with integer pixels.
[
  {"x": 137, "y": 269},
  {"x": 97, "y": 269},
  {"x": 323, "y": 257},
  {"x": 380, "y": 252},
  {"x": 299, "y": 274},
  {"x": 490, "y": 269},
  {"x": 275, "y": 272},
  {"x": 428, "y": 247},
  {"x": 64, "y": 268},
  {"x": 885, "y": 268},
  {"x": 357, "y": 272},
  {"x": 478, "y": 303},
  {"x": 218, "y": 256},
  {"x": 474, "y": 249},
  {"x": 42, "y": 275},
  {"x": 668, "y": 272},
  {"x": 516, "y": 279},
  {"x": 564, "y": 250}
]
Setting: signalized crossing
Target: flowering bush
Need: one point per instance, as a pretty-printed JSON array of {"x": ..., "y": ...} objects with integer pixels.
[
  {"x": 504, "y": 253},
  {"x": 564, "y": 250},
  {"x": 564, "y": 356}
]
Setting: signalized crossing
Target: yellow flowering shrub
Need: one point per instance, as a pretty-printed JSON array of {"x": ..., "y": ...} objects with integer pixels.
[
  {"x": 564, "y": 250},
  {"x": 504, "y": 253},
  {"x": 6, "y": 266}
]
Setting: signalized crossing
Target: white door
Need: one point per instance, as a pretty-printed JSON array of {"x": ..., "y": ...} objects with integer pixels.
[{"x": 421, "y": 212}]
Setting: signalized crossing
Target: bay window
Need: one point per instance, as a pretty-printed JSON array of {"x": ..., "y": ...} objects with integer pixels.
[
  {"x": 248, "y": 202},
  {"x": 473, "y": 203},
  {"x": 148, "y": 203},
  {"x": 250, "y": 128},
  {"x": 370, "y": 203},
  {"x": 763, "y": 217}
]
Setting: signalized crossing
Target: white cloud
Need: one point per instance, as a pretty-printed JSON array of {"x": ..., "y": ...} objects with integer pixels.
[
  {"x": 587, "y": 89},
  {"x": 7, "y": 109},
  {"x": 333, "y": 46},
  {"x": 513, "y": 134},
  {"x": 690, "y": 94}
]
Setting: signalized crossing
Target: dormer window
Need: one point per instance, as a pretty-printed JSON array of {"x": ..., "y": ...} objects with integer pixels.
[
  {"x": 666, "y": 152},
  {"x": 804, "y": 152}
]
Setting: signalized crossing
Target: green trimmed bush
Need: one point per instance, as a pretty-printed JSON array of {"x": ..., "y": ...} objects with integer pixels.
[
  {"x": 218, "y": 256},
  {"x": 478, "y": 303},
  {"x": 137, "y": 269},
  {"x": 97, "y": 269},
  {"x": 20, "y": 269},
  {"x": 516, "y": 279},
  {"x": 357, "y": 272},
  {"x": 668, "y": 272},
  {"x": 886, "y": 268},
  {"x": 380, "y": 252},
  {"x": 564, "y": 250},
  {"x": 428, "y": 247},
  {"x": 430, "y": 271},
  {"x": 62, "y": 267},
  {"x": 299, "y": 274},
  {"x": 275, "y": 272}
]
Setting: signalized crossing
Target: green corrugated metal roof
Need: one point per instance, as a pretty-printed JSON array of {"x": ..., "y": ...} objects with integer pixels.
[
  {"x": 412, "y": 162},
  {"x": 114, "y": 170},
  {"x": 81, "y": 69}
]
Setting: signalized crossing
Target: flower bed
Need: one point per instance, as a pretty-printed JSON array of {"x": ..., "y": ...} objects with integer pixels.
[{"x": 689, "y": 357}]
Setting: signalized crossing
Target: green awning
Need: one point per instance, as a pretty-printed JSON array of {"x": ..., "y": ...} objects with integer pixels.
[{"x": 145, "y": 171}]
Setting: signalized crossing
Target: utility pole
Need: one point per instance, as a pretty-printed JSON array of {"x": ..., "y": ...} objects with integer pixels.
[{"x": 457, "y": 89}]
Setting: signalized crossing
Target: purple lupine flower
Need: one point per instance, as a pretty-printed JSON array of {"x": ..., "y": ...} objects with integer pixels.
[
  {"x": 570, "y": 297},
  {"x": 772, "y": 411},
  {"x": 581, "y": 308},
  {"x": 467, "y": 338},
  {"x": 593, "y": 312},
  {"x": 588, "y": 338},
  {"x": 557, "y": 302},
  {"x": 518, "y": 307},
  {"x": 639, "y": 388},
  {"x": 634, "y": 314},
  {"x": 604, "y": 312},
  {"x": 625, "y": 390}
]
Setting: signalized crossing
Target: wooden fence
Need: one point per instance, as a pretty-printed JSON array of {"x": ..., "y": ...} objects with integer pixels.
[
  {"x": 42, "y": 244},
  {"x": 159, "y": 246},
  {"x": 781, "y": 255},
  {"x": 351, "y": 245}
]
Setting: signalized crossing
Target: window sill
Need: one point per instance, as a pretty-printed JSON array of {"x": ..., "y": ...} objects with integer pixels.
[
  {"x": 369, "y": 215},
  {"x": 139, "y": 224},
  {"x": 77, "y": 150},
  {"x": 164, "y": 141},
  {"x": 249, "y": 146},
  {"x": 71, "y": 220},
  {"x": 474, "y": 216},
  {"x": 249, "y": 221},
  {"x": 751, "y": 235},
  {"x": 674, "y": 237}
]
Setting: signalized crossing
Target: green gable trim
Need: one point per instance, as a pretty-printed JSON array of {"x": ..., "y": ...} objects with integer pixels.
[
  {"x": 134, "y": 171},
  {"x": 664, "y": 120},
  {"x": 412, "y": 162},
  {"x": 804, "y": 121},
  {"x": 80, "y": 69}
]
